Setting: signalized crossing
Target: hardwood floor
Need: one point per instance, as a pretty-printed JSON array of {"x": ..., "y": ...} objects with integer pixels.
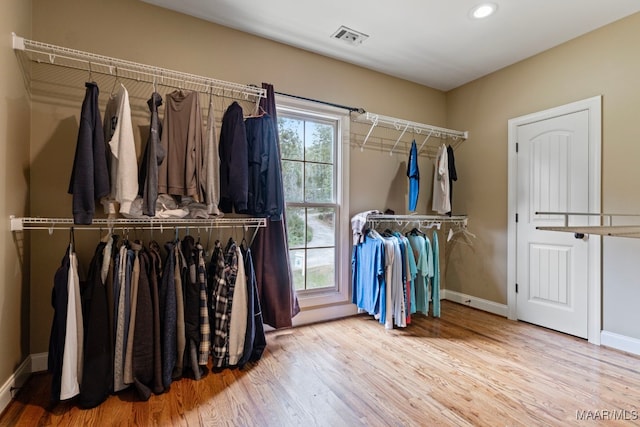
[{"x": 468, "y": 368}]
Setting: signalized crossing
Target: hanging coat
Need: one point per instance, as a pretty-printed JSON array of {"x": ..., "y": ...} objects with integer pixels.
[
  {"x": 265, "y": 197},
  {"x": 255, "y": 340},
  {"x": 59, "y": 298},
  {"x": 98, "y": 366},
  {"x": 168, "y": 316},
  {"x": 151, "y": 159},
  {"x": 234, "y": 163},
  {"x": 142, "y": 352},
  {"x": 191, "y": 302},
  {"x": 89, "y": 175},
  {"x": 155, "y": 278},
  {"x": 272, "y": 266}
]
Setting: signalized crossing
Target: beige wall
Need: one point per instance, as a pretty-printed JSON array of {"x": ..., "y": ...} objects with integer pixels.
[
  {"x": 155, "y": 36},
  {"x": 14, "y": 163},
  {"x": 604, "y": 62}
]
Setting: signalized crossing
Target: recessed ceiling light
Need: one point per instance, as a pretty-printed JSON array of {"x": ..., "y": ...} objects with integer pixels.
[{"x": 483, "y": 10}]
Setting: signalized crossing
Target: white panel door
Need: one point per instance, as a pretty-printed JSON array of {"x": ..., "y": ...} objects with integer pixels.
[{"x": 553, "y": 176}]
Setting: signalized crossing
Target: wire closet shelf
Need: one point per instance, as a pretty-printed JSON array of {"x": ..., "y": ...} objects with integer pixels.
[
  {"x": 38, "y": 223},
  {"x": 40, "y": 52},
  {"x": 415, "y": 128}
]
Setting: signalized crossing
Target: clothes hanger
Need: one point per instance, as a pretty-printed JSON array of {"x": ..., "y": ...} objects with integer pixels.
[
  {"x": 90, "y": 74},
  {"x": 115, "y": 82},
  {"x": 72, "y": 240}
]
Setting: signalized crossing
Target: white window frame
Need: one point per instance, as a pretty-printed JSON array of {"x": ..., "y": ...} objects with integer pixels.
[{"x": 318, "y": 305}]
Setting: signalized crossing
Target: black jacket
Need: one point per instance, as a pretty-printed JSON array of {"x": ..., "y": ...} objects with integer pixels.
[
  {"x": 90, "y": 175},
  {"x": 234, "y": 174},
  {"x": 59, "y": 300},
  {"x": 153, "y": 156},
  {"x": 265, "y": 196},
  {"x": 98, "y": 363}
]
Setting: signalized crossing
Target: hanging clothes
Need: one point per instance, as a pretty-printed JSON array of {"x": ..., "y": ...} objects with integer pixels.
[
  {"x": 179, "y": 282},
  {"x": 414, "y": 177},
  {"x": 141, "y": 335},
  {"x": 153, "y": 156},
  {"x": 435, "y": 283},
  {"x": 234, "y": 163},
  {"x": 155, "y": 279},
  {"x": 239, "y": 311},
  {"x": 122, "y": 316},
  {"x": 399, "y": 285},
  {"x": 182, "y": 171},
  {"x": 265, "y": 197},
  {"x": 215, "y": 284},
  {"x": 441, "y": 202},
  {"x": 161, "y": 317},
  {"x": 89, "y": 175},
  {"x": 453, "y": 175},
  {"x": 98, "y": 363},
  {"x": 271, "y": 249},
  {"x": 72, "y": 359},
  {"x": 168, "y": 315},
  {"x": 224, "y": 299},
  {"x": 205, "y": 327},
  {"x": 212, "y": 158},
  {"x": 411, "y": 272},
  {"x": 59, "y": 301},
  {"x": 368, "y": 275},
  {"x": 123, "y": 163},
  {"x": 255, "y": 340},
  {"x": 424, "y": 265},
  {"x": 191, "y": 289}
]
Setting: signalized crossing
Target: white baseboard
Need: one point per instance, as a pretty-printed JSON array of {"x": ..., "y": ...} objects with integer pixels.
[
  {"x": 475, "y": 302},
  {"x": 15, "y": 381},
  {"x": 324, "y": 313},
  {"x": 39, "y": 362},
  {"x": 620, "y": 342}
]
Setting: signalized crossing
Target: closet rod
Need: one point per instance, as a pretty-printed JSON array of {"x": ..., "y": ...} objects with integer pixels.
[
  {"x": 38, "y": 223},
  {"x": 331, "y": 104},
  {"x": 418, "y": 219},
  {"x": 114, "y": 66},
  {"x": 400, "y": 124}
]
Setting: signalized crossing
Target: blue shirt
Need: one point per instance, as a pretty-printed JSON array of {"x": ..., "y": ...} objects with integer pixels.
[
  {"x": 414, "y": 176},
  {"x": 368, "y": 274}
]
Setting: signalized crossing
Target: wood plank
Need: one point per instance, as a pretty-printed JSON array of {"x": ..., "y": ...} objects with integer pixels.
[{"x": 468, "y": 368}]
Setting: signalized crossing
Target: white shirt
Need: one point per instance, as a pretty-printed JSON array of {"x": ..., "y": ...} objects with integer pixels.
[
  {"x": 441, "y": 190},
  {"x": 73, "y": 343},
  {"x": 124, "y": 161}
]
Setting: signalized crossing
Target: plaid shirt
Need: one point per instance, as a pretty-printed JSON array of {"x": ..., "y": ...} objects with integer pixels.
[
  {"x": 205, "y": 328},
  {"x": 223, "y": 294}
]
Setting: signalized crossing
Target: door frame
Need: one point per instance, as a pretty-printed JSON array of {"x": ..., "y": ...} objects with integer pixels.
[{"x": 594, "y": 106}]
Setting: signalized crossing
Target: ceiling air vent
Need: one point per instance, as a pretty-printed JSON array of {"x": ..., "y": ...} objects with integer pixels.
[{"x": 349, "y": 36}]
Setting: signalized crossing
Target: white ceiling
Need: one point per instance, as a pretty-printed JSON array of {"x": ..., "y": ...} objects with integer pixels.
[{"x": 431, "y": 42}]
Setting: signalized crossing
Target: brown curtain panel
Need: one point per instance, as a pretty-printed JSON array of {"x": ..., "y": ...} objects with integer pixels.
[{"x": 271, "y": 249}]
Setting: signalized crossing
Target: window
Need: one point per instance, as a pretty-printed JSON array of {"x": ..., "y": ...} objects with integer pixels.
[{"x": 315, "y": 190}]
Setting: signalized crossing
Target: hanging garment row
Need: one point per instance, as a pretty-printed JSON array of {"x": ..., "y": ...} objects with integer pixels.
[
  {"x": 145, "y": 318},
  {"x": 185, "y": 170},
  {"x": 395, "y": 275},
  {"x": 443, "y": 176}
]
